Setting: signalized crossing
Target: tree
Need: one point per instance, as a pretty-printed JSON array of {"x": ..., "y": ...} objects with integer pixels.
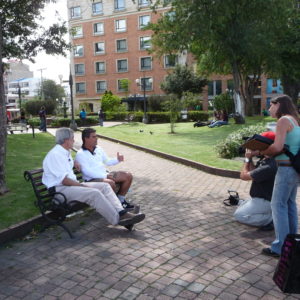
[
  {"x": 180, "y": 81},
  {"x": 224, "y": 102},
  {"x": 229, "y": 36},
  {"x": 288, "y": 61},
  {"x": 33, "y": 107},
  {"x": 110, "y": 102},
  {"x": 52, "y": 90},
  {"x": 22, "y": 37}
]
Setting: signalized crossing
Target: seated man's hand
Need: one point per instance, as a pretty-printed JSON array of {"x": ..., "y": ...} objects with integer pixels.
[
  {"x": 77, "y": 166},
  {"x": 120, "y": 157},
  {"x": 250, "y": 153}
]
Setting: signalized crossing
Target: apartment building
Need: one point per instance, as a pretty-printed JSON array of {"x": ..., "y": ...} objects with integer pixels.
[
  {"x": 109, "y": 44},
  {"x": 267, "y": 89}
]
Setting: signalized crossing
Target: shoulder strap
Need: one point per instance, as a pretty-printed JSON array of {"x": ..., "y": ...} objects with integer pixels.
[{"x": 291, "y": 121}]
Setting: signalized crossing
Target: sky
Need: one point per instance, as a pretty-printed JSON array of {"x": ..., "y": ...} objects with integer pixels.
[{"x": 52, "y": 66}]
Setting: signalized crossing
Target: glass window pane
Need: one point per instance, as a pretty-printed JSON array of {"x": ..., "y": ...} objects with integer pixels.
[
  {"x": 120, "y": 25},
  {"x": 119, "y": 4},
  {"x": 98, "y": 28},
  {"x": 97, "y": 8},
  {"x": 144, "y": 21}
]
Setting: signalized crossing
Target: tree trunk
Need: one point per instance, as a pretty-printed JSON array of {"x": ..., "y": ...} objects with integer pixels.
[
  {"x": 239, "y": 101},
  {"x": 3, "y": 122},
  {"x": 291, "y": 87}
]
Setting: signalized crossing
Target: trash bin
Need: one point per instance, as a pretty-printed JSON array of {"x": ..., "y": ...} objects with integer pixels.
[{"x": 184, "y": 114}]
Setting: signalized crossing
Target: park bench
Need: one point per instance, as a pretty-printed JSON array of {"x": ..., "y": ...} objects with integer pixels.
[
  {"x": 52, "y": 205},
  {"x": 16, "y": 127}
]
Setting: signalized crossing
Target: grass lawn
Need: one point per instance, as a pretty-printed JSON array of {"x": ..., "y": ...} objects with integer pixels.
[
  {"x": 192, "y": 143},
  {"x": 23, "y": 153}
]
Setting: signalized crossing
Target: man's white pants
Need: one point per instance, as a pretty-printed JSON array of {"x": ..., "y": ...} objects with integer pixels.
[
  {"x": 254, "y": 212},
  {"x": 98, "y": 195}
]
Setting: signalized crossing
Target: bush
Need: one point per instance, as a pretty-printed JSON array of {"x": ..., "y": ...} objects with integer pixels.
[
  {"x": 32, "y": 107},
  {"x": 229, "y": 147},
  {"x": 159, "y": 117},
  {"x": 196, "y": 115},
  {"x": 34, "y": 122},
  {"x": 224, "y": 102}
]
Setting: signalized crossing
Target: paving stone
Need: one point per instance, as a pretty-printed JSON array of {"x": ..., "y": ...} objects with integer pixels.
[{"x": 196, "y": 287}]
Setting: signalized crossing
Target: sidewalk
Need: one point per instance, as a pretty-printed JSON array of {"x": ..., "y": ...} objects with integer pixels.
[{"x": 188, "y": 247}]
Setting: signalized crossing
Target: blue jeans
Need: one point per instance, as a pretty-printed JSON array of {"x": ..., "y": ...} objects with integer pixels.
[
  {"x": 283, "y": 204},
  {"x": 218, "y": 123}
]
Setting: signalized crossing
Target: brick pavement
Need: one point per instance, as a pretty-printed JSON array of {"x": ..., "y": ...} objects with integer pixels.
[{"x": 188, "y": 247}]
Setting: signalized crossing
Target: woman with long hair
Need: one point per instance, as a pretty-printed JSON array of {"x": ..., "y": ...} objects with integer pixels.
[{"x": 283, "y": 203}]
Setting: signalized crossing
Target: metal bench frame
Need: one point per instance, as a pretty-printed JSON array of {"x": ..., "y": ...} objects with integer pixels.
[
  {"x": 16, "y": 127},
  {"x": 54, "y": 207}
]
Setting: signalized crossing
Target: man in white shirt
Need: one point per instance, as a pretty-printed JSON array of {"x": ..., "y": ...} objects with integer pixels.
[
  {"x": 93, "y": 161},
  {"x": 58, "y": 175}
]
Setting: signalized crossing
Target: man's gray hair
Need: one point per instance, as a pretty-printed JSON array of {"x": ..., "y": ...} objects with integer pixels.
[{"x": 63, "y": 134}]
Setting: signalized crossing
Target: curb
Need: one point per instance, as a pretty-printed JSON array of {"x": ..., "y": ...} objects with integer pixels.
[{"x": 19, "y": 230}]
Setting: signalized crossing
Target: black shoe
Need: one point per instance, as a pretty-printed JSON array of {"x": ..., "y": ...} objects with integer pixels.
[
  {"x": 269, "y": 252},
  {"x": 130, "y": 219},
  {"x": 268, "y": 227},
  {"x": 127, "y": 205}
]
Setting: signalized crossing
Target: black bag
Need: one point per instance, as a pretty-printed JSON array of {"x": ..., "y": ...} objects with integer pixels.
[
  {"x": 287, "y": 273},
  {"x": 295, "y": 159},
  {"x": 233, "y": 198}
]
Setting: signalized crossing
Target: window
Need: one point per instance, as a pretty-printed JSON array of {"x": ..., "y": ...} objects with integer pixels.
[
  {"x": 170, "y": 15},
  {"x": 97, "y": 8},
  {"x": 122, "y": 65},
  {"x": 144, "y": 21},
  {"x": 79, "y": 69},
  {"x": 99, "y": 48},
  {"x": 146, "y": 63},
  {"x": 145, "y": 42},
  {"x": 120, "y": 25},
  {"x": 100, "y": 67},
  {"x": 144, "y": 2},
  {"x": 119, "y": 4},
  {"x": 98, "y": 28},
  {"x": 101, "y": 86},
  {"x": 77, "y": 32},
  {"x": 121, "y": 86},
  {"x": 147, "y": 83},
  {"x": 75, "y": 12},
  {"x": 80, "y": 87},
  {"x": 121, "y": 45},
  {"x": 78, "y": 50},
  {"x": 214, "y": 88},
  {"x": 171, "y": 61}
]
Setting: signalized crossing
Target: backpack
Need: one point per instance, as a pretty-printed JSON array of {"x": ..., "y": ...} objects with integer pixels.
[{"x": 295, "y": 159}]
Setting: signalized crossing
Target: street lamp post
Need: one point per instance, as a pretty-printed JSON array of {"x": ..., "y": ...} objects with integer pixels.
[
  {"x": 143, "y": 85},
  {"x": 73, "y": 124},
  {"x": 20, "y": 96}
]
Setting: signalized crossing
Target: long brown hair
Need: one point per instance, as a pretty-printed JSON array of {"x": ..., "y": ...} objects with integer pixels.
[{"x": 286, "y": 107}]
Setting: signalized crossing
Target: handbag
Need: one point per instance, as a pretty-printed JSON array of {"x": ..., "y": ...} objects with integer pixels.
[
  {"x": 294, "y": 158},
  {"x": 287, "y": 272}
]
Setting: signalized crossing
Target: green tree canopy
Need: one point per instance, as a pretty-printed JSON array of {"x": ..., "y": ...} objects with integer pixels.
[
  {"x": 52, "y": 90},
  {"x": 230, "y": 36},
  {"x": 110, "y": 102},
  {"x": 21, "y": 36},
  {"x": 181, "y": 80}
]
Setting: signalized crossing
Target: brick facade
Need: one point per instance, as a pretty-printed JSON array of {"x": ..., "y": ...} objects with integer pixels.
[{"x": 133, "y": 55}]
